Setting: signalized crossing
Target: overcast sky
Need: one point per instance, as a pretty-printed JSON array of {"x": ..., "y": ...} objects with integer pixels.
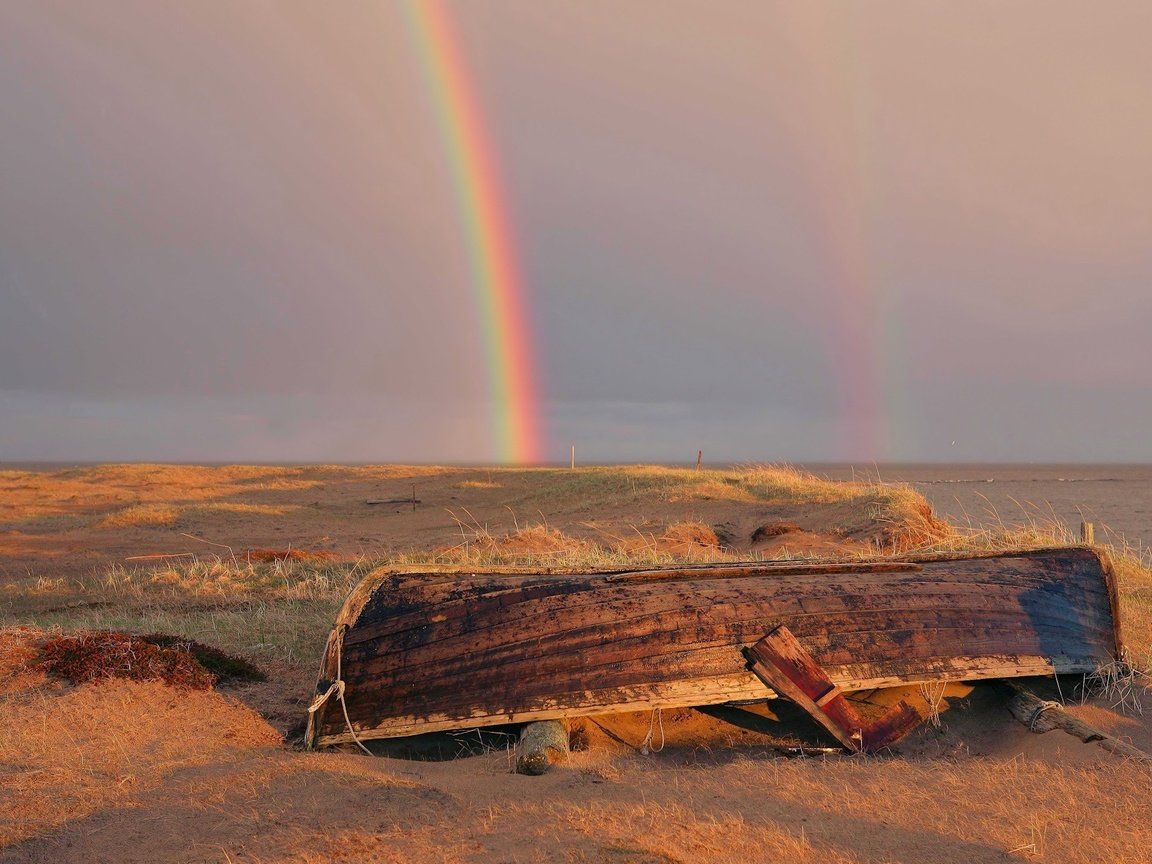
[{"x": 774, "y": 231}]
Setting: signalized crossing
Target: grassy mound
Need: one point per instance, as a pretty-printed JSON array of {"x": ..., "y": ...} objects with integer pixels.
[
  {"x": 185, "y": 663},
  {"x": 93, "y": 656},
  {"x": 227, "y": 668}
]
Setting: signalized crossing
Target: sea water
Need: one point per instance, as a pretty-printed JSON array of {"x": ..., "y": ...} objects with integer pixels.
[{"x": 1117, "y": 499}]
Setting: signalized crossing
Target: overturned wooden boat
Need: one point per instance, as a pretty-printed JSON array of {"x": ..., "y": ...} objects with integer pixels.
[{"x": 429, "y": 651}]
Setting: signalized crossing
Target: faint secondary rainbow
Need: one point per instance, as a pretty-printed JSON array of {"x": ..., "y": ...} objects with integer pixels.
[
  {"x": 507, "y": 334},
  {"x": 833, "y": 148}
]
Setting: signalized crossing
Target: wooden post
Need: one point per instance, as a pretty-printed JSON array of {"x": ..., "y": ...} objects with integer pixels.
[
  {"x": 1040, "y": 717},
  {"x": 572, "y": 464},
  {"x": 541, "y": 744},
  {"x": 1087, "y": 533},
  {"x": 413, "y": 497},
  {"x": 699, "y": 457}
]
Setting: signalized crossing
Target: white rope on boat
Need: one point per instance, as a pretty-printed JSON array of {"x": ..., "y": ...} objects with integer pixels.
[{"x": 337, "y": 688}]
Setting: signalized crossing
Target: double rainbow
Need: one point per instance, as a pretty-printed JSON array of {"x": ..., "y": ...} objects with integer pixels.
[{"x": 507, "y": 334}]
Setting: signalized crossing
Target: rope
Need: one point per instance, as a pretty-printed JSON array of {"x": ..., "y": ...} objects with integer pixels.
[
  {"x": 337, "y": 688},
  {"x": 645, "y": 748},
  {"x": 1038, "y": 711}
]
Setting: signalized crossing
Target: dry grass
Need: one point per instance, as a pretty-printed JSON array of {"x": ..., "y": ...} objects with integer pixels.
[
  {"x": 479, "y": 484},
  {"x": 680, "y": 541},
  {"x": 282, "y": 608},
  {"x": 167, "y": 515},
  {"x": 204, "y": 776},
  {"x": 528, "y": 545},
  {"x": 102, "y": 745},
  {"x": 277, "y": 611},
  {"x": 764, "y": 483},
  {"x": 124, "y": 495},
  {"x": 237, "y": 509},
  {"x": 158, "y": 515}
]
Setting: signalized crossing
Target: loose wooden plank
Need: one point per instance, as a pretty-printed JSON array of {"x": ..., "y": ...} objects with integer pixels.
[
  {"x": 788, "y": 669},
  {"x": 783, "y": 663}
]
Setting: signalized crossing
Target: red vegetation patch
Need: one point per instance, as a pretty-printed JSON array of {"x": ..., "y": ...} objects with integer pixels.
[
  {"x": 95, "y": 655},
  {"x": 226, "y": 667},
  {"x": 265, "y": 556}
]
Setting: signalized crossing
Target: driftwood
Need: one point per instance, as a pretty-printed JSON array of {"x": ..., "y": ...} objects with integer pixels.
[
  {"x": 392, "y": 501},
  {"x": 1040, "y": 717},
  {"x": 541, "y": 744}
]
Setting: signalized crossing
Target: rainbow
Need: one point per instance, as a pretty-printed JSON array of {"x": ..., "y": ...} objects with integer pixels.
[
  {"x": 507, "y": 334},
  {"x": 833, "y": 150}
]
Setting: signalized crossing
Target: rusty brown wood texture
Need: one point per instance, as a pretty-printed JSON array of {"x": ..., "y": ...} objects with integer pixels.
[
  {"x": 427, "y": 651},
  {"x": 782, "y": 662}
]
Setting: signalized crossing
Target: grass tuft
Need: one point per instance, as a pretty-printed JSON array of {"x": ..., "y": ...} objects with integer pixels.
[{"x": 141, "y": 515}]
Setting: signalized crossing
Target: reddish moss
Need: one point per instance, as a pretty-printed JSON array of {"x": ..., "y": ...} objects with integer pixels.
[
  {"x": 226, "y": 667},
  {"x": 91, "y": 656}
]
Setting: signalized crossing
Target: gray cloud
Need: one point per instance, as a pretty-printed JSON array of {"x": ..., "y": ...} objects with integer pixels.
[{"x": 776, "y": 231}]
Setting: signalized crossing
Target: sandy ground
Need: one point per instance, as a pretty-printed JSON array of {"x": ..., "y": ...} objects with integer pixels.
[
  {"x": 1117, "y": 499},
  {"x": 139, "y": 772},
  {"x": 136, "y": 772},
  {"x": 75, "y": 522}
]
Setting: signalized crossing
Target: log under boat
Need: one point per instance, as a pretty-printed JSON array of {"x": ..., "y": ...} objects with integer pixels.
[{"x": 419, "y": 652}]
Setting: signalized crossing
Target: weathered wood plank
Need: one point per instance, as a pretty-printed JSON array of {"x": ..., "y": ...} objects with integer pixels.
[
  {"x": 465, "y": 701},
  {"x": 783, "y": 663},
  {"x": 538, "y": 662},
  {"x": 732, "y": 688},
  {"x": 474, "y": 599},
  {"x": 722, "y": 572},
  {"x": 788, "y": 669},
  {"x": 744, "y": 620}
]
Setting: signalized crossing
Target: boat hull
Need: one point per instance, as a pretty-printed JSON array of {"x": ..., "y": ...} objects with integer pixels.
[{"x": 422, "y": 652}]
